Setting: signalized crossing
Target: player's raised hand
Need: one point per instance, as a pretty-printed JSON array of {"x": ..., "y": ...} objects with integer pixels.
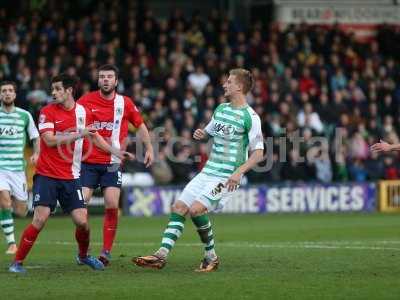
[
  {"x": 148, "y": 157},
  {"x": 199, "y": 134},
  {"x": 382, "y": 146}
]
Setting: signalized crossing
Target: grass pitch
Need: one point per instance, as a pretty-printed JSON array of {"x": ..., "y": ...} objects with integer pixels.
[{"x": 320, "y": 256}]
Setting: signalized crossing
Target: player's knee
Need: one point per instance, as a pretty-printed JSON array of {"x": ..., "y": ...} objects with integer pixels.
[
  {"x": 39, "y": 221},
  {"x": 196, "y": 210},
  {"x": 82, "y": 224},
  {"x": 180, "y": 208},
  {"x": 5, "y": 200},
  {"x": 80, "y": 218},
  {"x": 81, "y": 221},
  {"x": 21, "y": 211}
]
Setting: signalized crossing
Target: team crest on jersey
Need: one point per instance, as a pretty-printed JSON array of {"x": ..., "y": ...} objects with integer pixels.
[{"x": 42, "y": 118}]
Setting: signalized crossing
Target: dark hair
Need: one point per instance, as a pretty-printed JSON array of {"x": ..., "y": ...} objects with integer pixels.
[
  {"x": 110, "y": 67},
  {"x": 67, "y": 81},
  {"x": 9, "y": 83}
]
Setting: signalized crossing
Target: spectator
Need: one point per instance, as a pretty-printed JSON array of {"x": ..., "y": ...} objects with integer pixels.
[
  {"x": 310, "y": 119},
  {"x": 357, "y": 171},
  {"x": 198, "y": 80},
  {"x": 313, "y": 78}
]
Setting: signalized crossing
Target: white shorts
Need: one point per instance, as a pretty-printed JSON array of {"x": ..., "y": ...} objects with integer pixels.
[
  {"x": 206, "y": 189},
  {"x": 15, "y": 183}
]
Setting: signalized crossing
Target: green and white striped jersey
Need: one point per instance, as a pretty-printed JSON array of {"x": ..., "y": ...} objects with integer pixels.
[
  {"x": 14, "y": 127},
  {"x": 235, "y": 132}
]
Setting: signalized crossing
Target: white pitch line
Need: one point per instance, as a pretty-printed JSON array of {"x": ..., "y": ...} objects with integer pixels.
[
  {"x": 292, "y": 245},
  {"x": 389, "y": 242}
]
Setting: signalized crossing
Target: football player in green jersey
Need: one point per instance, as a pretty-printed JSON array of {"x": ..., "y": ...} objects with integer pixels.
[
  {"x": 15, "y": 125},
  {"x": 236, "y": 129}
]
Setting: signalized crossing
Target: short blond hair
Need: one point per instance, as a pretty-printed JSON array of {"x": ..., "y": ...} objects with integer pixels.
[{"x": 244, "y": 77}]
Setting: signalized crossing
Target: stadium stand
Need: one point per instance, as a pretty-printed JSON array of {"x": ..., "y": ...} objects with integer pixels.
[{"x": 308, "y": 79}]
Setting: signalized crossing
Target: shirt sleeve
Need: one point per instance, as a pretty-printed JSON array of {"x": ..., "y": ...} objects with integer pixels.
[
  {"x": 256, "y": 140},
  {"x": 133, "y": 113},
  {"x": 46, "y": 121},
  {"x": 31, "y": 129},
  {"x": 210, "y": 127}
]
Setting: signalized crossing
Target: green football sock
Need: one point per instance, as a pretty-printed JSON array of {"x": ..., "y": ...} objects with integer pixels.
[
  {"x": 7, "y": 224},
  {"x": 205, "y": 232},
  {"x": 172, "y": 233}
]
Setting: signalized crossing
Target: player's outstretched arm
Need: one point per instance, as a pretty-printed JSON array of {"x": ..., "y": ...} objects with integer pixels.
[
  {"x": 145, "y": 137},
  {"x": 52, "y": 140},
  {"x": 382, "y": 146},
  {"x": 255, "y": 157},
  {"x": 101, "y": 143}
]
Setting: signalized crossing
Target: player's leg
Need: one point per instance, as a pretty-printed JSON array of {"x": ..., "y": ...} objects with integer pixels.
[
  {"x": 110, "y": 180},
  {"x": 44, "y": 201},
  {"x": 29, "y": 236},
  {"x": 19, "y": 194},
  {"x": 208, "y": 200},
  {"x": 110, "y": 222},
  {"x": 15, "y": 199},
  {"x": 82, "y": 232},
  {"x": 175, "y": 225},
  {"x": 89, "y": 179},
  {"x": 7, "y": 221},
  {"x": 82, "y": 235},
  {"x": 174, "y": 229},
  {"x": 198, "y": 213},
  {"x": 20, "y": 207},
  {"x": 70, "y": 197},
  {"x": 87, "y": 193},
  {"x": 171, "y": 234}
]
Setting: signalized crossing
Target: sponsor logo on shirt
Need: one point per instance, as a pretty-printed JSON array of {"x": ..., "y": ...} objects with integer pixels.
[
  {"x": 222, "y": 129},
  {"x": 103, "y": 125},
  {"x": 8, "y": 130}
]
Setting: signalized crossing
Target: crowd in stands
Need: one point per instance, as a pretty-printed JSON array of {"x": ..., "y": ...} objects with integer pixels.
[{"x": 310, "y": 81}]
